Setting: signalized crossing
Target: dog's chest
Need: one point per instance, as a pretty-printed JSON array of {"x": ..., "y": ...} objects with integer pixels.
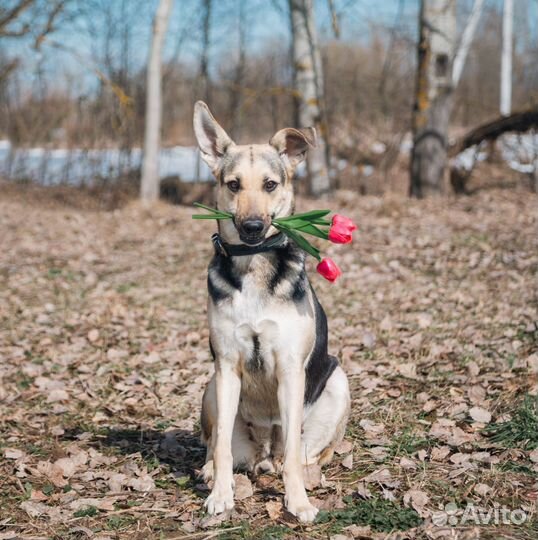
[{"x": 264, "y": 335}]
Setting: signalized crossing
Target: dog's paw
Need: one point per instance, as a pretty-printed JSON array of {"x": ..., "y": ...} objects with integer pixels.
[
  {"x": 264, "y": 467},
  {"x": 207, "y": 472},
  {"x": 219, "y": 501},
  {"x": 305, "y": 512}
]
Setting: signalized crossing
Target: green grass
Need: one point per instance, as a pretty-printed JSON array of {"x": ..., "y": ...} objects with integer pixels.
[
  {"x": 89, "y": 511},
  {"x": 115, "y": 523},
  {"x": 126, "y": 287},
  {"x": 381, "y": 515},
  {"x": 407, "y": 443},
  {"x": 518, "y": 468},
  {"x": 522, "y": 428}
]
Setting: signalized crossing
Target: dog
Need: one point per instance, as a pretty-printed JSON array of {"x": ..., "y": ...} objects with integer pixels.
[{"x": 277, "y": 398}]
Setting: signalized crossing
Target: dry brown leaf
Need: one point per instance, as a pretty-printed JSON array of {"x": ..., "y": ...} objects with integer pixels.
[
  {"x": 439, "y": 453},
  {"x": 408, "y": 370},
  {"x": 479, "y": 414},
  {"x": 371, "y": 428},
  {"x": 116, "y": 481},
  {"x": 52, "y": 472},
  {"x": 359, "y": 532},
  {"x": 383, "y": 477},
  {"x": 102, "y": 503},
  {"x": 482, "y": 489},
  {"x": 418, "y": 500},
  {"x": 347, "y": 462},
  {"x": 274, "y": 509},
  {"x": 363, "y": 491},
  {"x": 143, "y": 483},
  {"x": 93, "y": 335},
  {"x": 57, "y": 395},
  {"x": 407, "y": 463},
  {"x": 312, "y": 476},
  {"x": 343, "y": 447},
  {"x": 67, "y": 466},
  {"x": 13, "y": 453},
  {"x": 243, "y": 487}
]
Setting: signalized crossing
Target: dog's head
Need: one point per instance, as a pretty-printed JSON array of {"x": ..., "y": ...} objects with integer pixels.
[{"x": 254, "y": 182}]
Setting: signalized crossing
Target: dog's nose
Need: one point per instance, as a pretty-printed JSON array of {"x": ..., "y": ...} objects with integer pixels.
[{"x": 253, "y": 226}]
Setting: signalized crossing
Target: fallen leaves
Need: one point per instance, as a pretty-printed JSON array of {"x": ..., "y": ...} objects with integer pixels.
[
  {"x": 274, "y": 509},
  {"x": 418, "y": 500},
  {"x": 480, "y": 415},
  {"x": 105, "y": 358},
  {"x": 312, "y": 476},
  {"x": 243, "y": 487}
]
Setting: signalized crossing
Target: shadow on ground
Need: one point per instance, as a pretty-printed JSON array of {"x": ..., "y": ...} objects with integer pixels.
[{"x": 180, "y": 449}]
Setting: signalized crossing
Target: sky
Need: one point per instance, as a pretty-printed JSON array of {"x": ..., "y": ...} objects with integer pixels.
[
  {"x": 71, "y": 55},
  {"x": 74, "y": 48}
]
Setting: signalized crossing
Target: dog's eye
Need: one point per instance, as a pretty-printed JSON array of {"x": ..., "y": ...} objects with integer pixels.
[
  {"x": 270, "y": 185},
  {"x": 233, "y": 186}
]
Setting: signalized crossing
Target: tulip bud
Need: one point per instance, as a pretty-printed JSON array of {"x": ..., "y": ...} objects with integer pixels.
[
  {"x": 341, "y": 230},
  {"x": 329, "y": 270}
]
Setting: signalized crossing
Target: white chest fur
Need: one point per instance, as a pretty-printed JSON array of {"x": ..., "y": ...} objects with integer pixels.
[{"x": 262, "y": 336}]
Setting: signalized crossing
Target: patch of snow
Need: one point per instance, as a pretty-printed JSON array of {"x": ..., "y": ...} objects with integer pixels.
[
  {"x": 341, "y": 164},
  {"x": 378, "y": 147},
  {"x": 78, "y": 166}
]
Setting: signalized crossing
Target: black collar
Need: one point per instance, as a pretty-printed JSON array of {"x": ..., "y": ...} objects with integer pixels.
[{"x": 238, "y": 250}]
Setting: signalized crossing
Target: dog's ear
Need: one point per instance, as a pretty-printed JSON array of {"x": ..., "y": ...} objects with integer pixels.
[
  {"x": 292, "y": 144},
  {"x": 212, "y": 139}
]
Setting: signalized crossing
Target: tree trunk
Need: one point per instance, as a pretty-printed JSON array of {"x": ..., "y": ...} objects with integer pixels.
[
  {"x": 203, "y": 88},
  {"x": 433, "y": 97},
  {"x": 308, "y": 83},
  {"x": 518, "y": 122},
  {"x": 506, "y": 59},
  {"x": 236, "y": 96},
  {"x": 149, "y": 190},
  {"x": 465, "y": 42}
]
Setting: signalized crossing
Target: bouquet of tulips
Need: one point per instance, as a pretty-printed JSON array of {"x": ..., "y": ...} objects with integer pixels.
[{"x": 338, "y": 230}]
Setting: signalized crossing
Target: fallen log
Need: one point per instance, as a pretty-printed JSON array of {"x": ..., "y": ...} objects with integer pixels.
[{"x": 518, "y": 122}]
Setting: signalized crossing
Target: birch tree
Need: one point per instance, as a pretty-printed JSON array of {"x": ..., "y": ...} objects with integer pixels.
[
  {"x": 440, "y": 65},
  {"x": 308, "y": 84},
  {"x": 465, "y": 42},
  {"x": 149, "y": 190},
  {"x": 506, "y": 58}
]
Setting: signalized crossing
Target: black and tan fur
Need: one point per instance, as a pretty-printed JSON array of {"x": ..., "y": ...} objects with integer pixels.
[{"x": 277, "y": 396}]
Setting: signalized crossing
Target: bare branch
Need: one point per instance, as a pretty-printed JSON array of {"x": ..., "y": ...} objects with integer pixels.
[
  {"x": 49, "y": 25},
  {"x": 10, "y": 15}
]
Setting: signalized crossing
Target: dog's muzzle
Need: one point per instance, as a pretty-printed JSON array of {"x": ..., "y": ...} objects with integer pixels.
[{"x": 252, "y": 230}]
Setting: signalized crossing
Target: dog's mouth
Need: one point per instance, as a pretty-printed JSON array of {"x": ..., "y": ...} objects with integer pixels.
[
  {"x": 251, "y": 230},
  {"x": 251, "y": 240}
]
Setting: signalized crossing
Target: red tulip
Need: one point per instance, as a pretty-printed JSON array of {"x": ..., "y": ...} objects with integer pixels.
[
  {"x": 328, "y": 269},
  {"x": 341, "y": 230}
]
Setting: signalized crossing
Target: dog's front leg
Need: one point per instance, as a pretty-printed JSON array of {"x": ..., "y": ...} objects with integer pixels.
[
  {"x": 228, "y": 387},
  {"x": 291, "y": 382}
]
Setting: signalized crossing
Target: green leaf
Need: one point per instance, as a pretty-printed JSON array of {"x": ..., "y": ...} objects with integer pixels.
[
  {"x": 322, "y": 221},
  {"x": 309, "y": 228},
  {"x": 313, "y": 214},
  {"x": 225, "y": 215},
  {"x": 303, "y": 226},
  {"x": 300, "y": 217},
  {"x": 302, "y": 242},
  {"x": 209, "y": 216}
]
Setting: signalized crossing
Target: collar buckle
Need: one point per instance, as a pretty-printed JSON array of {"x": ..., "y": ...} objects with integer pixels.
[{"x": 219, "y": 245}]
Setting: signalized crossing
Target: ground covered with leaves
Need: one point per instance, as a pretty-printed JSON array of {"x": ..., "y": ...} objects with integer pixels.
[{"x": 104, "y": 356}]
